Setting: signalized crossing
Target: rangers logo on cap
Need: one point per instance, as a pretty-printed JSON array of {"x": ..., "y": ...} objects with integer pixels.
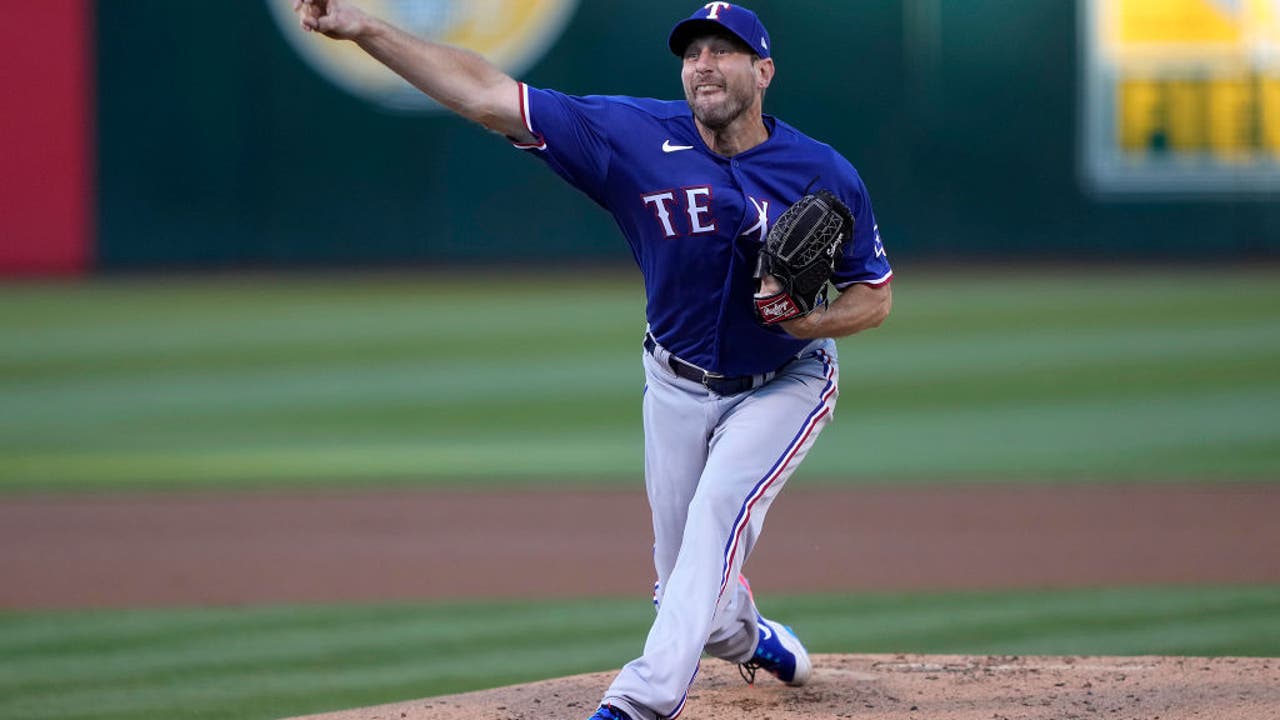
[{"x": 721, "y": 17}]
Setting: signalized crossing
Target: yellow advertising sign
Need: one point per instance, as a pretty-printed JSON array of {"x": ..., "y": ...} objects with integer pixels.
[
  {"x": 1182, "y": 95},
  {"x": 1271, "y": 111},
  {"x": 1147, "y": 22}
]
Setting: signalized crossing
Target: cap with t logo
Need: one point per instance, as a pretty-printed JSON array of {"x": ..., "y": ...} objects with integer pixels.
[{"x": 719, "y": 18}]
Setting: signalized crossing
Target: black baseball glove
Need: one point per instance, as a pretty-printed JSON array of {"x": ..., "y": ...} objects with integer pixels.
[{"x": 800, "y": 252}]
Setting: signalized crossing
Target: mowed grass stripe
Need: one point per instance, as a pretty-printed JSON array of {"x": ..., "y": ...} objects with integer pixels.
[
  {"x": 1209, "y": 634},
  {"x": 403, "y": 421},
  {"x": 1094, "y": 439},
  {"x": 365, "y": 652},
  {"x": 361, "y": 340},
  {"x": 51, "y": 633},
  {"x": 1183, "y": 621},
  {"x": 32, "y": 355},
  {"x": 279, "y": 381},
  {"x": 1027, "y": 299},
  {"x": 250, "y": 302},
  {"x": 143, "y": 315},
  {"x": 1123, "y": 440},
  {"x": 497, "y": 461},
  {"x": 1233, "y": 437},
  {"x": 982, "y": 362},
  {"x": 301, "y": 403},
  {"x": 211, "y": 394},
  {"x": 1063, "y": 383},
  {"x": 1052, "y": 347},
  {"x": 246, "y": 646},
  {"x": 270, "y": 662},
  {"x": 143, "y": 322},
  {"x": 1204, "y": 631}
]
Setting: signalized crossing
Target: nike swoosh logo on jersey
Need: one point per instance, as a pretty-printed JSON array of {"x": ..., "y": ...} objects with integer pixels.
[{"x": 667, "y": 147}]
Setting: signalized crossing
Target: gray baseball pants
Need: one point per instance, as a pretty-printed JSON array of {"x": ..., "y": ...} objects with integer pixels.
[{"x": 713, "y": 465}]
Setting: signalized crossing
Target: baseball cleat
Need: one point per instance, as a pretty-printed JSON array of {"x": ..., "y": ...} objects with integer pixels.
[
  {"x": 779, "y": 653},
  {"x": 609, "y": 712}
]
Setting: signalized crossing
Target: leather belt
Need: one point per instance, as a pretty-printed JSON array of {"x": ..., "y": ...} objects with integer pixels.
[{"x": 715, "y": 382}]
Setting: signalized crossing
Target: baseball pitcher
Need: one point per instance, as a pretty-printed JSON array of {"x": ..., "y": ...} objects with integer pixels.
[{"x": 739, "y": 223}]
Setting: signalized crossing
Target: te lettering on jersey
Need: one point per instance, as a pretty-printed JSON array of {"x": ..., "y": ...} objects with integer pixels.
[
  {"x": 690, "y": 208},
  {"x": 694, "y": 203}
]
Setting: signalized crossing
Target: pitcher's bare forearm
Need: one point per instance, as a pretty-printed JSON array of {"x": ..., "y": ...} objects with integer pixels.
[
  {"x": 860, "y": 307},
  {"x": 458, "y": 79}
]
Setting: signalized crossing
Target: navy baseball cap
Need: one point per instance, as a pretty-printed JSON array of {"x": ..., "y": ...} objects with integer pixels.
[{"x": 719, "y": 17}]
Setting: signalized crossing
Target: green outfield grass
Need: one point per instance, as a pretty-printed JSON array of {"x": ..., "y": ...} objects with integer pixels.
[
  {"x": 274, "y": 662},
  {"x": 268, "y": 381}
]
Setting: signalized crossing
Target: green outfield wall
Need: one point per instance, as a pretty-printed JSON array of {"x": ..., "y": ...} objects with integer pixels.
[{"x": 218, "y": 145}]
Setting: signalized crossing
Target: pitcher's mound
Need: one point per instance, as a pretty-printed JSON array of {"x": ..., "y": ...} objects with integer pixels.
[{"x": 910, "y": 687}]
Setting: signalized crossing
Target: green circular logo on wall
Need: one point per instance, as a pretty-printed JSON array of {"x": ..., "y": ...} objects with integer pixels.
[{"x": 512, "y": 34}]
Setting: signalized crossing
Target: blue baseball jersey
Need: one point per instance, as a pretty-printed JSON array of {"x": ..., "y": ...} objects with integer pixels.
[{"x": 696, "y": 220}]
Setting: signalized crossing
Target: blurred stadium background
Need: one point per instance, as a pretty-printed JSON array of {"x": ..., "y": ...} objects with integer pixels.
[{"x": 233, "y": 259}]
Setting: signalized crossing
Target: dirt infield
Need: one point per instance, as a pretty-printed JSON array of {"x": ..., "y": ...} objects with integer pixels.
[
  {"x": 206, "y": 549},
  {"x": 911, "y": 687},
  {"x": 224, "y": 549}
]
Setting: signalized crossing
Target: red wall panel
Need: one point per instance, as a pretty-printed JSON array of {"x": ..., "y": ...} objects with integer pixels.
[{"x": 46, "y": 132}]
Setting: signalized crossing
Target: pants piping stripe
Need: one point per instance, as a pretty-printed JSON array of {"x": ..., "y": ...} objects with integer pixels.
[
  {"x": 683, "y": 698},
  {"x": 762, "y": 487}
]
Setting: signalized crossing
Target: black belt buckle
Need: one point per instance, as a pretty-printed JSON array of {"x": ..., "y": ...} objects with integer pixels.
[
  {"x": 715, "y": 382},
  {"x": 723, "y": 385},
  {"x": 712, "y": 377}
]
